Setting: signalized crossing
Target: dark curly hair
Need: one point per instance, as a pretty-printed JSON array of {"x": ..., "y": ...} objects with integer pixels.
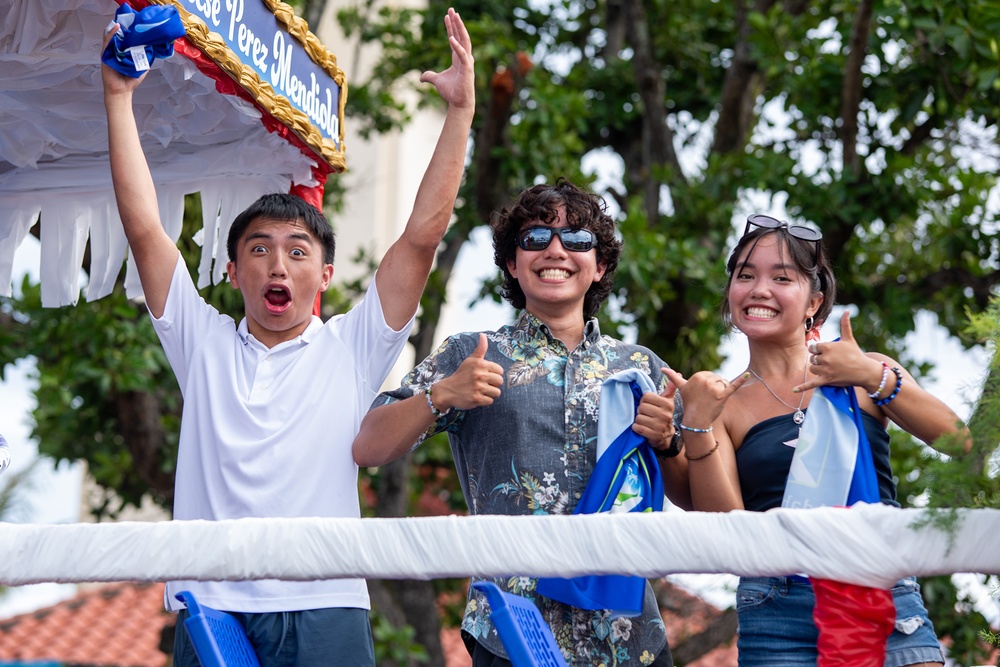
[
  {"x": 540, "y": 203},
  {"x": 280, "y": 206},
  {"x": 808, "y": 257}
]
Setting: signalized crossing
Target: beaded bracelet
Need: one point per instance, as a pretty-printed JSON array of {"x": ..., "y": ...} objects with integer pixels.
[
  {"x": 694, "y": 430},
  {"x": 895, "y": 392},
  {"x": 881, "y": 385},
  {"x": 434, "y": 411},
  {"x": 702, "y": 456}
]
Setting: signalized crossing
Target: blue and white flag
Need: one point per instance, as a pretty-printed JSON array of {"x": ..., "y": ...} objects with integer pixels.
[
  {"x": 626, "y": 479},
  {"x": 832, "y": 465},
  {"x": 142, "y": 37}
]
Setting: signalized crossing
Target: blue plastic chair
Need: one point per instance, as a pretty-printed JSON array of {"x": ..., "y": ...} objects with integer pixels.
[
  {"x": 218, "y": 639},
  {"x": 524, "y": 634}
]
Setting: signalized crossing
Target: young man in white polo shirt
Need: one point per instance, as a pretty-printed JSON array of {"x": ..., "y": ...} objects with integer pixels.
[{"x": 271, "y": 406}]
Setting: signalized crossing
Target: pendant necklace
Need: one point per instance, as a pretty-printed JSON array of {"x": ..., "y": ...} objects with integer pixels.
[{"x": 799, "y": 416}]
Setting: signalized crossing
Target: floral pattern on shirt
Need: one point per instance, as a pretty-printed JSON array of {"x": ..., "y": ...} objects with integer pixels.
[{"x": 532, "y": 452}]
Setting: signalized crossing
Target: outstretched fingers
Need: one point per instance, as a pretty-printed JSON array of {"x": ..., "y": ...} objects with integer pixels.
[
  {"x": 456, "y": 85},
  {"x": 458, "y": 34}
]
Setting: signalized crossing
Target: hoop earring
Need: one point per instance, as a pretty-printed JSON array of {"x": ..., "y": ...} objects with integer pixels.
[{"x": 810, "y": 321}]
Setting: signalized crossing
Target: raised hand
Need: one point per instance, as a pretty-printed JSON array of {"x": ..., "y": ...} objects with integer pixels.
[
  {"x": 456, "y": 85},
  {"x": 842, "y": 363},
  {"x": 654, "y": 419},
  {"x": 704, "y": 395},
  {"x": 116, "y": 82},
  {"x": 475, "y": 384}
]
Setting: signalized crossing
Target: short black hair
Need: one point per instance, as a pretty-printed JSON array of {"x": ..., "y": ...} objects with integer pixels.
[
  {"x": 541, "y": 203},
  {"x": 278, "y": 206}
]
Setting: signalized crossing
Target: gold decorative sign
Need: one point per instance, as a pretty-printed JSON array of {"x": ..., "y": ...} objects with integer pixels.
[{"x": 270, "y": 53}]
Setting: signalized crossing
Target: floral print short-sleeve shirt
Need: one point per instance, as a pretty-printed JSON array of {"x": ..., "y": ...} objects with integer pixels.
[{"x": 532, "y": 452}]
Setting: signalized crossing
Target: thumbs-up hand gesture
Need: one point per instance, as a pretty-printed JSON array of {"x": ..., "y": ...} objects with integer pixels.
[
  {"x": 654, "y": 419},
  {"x": 842, "y": 363},
  {"x": 475, "y": 384}
]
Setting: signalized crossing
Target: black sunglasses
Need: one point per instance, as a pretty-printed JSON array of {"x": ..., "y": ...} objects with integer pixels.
[
  {"x": 798, "y": 231},
  {"x": 539, "y": 238}
]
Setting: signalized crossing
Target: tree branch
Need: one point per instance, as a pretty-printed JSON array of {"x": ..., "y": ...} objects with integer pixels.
[
  {"x": 138, "y": 417},
  {"x": 919, "y": 134},
  {"x": 658, "y": 139},
  {"x": 740, "y": 87},
  {"x": 850, "y": 96}
]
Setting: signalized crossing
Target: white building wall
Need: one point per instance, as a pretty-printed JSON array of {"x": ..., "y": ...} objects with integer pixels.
[{"x": 383, "y": 174}]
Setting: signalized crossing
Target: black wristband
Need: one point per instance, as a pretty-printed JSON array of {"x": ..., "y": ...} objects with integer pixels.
[{"x": 673, "y": 449}]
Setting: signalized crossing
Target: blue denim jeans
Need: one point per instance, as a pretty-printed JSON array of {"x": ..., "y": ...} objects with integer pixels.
[
  {"x": 296, "y": 638},
  {"x": 776, "y": 627}
]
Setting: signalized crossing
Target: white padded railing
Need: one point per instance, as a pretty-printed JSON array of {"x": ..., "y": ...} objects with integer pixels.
[{"x": 872, "y": 545}]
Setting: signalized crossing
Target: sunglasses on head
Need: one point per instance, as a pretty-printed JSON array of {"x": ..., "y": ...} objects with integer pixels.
[
  {"x": 539, "y": 238},
  {"x": 798, "y": 231}
]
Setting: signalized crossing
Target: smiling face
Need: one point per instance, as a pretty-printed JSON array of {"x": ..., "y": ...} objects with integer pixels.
[
  {"x": 279, "y": 269},
  {"x": 555, "y": 280},
  {"x": 768, "y": 296}
]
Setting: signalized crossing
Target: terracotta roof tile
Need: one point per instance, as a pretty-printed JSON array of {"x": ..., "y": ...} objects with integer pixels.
[
  {"x": 118, "y": 625},
  {"x": 455, "y": 653}
]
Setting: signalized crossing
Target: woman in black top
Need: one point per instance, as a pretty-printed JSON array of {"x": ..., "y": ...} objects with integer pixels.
[{"x": 739, "y": 436}]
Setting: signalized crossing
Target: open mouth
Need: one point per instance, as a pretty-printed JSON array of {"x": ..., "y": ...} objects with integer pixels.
[{"x": 277, "y": 299}]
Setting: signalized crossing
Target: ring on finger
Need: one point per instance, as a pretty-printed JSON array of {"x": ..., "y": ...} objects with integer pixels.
[
  {"x": 814, "y": 360},
  {"x": 814, "y": 348}
]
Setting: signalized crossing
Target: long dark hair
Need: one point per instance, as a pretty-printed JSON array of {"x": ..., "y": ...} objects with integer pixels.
[{"x": 808, "y": 257}]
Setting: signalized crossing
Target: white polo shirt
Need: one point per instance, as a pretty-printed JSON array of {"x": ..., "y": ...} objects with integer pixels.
[{"x": 268, "y": 432}]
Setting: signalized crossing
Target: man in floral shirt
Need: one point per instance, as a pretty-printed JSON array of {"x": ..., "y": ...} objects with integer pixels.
[{"x": 520, "y": 406}]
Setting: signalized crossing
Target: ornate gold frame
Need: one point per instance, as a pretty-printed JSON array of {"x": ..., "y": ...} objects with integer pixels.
[{"x": 278, "y": 106}]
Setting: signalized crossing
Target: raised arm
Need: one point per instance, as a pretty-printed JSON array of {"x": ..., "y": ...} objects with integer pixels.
[
  {"x": 403, "y": 271},
  {"x": 154, "y": 252},
  {"x": 915, "y": 410},
  {"x": 389, "y": 431}
]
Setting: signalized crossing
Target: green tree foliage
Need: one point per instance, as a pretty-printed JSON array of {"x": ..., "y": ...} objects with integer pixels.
[
  {"x": 106, "y": 394},
  {"x": 971, "y": 481},
  {"x": 101, "y": 376}
]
